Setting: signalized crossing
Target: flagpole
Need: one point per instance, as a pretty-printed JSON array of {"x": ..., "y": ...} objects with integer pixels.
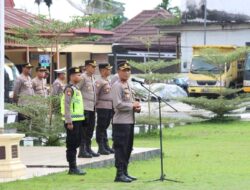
[{"x": 2, "y": 52}]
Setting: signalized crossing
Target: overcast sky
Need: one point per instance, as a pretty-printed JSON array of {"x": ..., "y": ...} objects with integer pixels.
[{"x": 61, "y": 9}]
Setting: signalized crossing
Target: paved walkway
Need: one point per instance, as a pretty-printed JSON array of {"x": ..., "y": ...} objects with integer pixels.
[{"x": 42, "y": 161}]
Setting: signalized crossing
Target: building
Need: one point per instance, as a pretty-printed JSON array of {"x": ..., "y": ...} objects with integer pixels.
[
  {"x": 130, "y": 39},
  {"x": 217, "y": 33},
  {"x": 70, "y": 55}
]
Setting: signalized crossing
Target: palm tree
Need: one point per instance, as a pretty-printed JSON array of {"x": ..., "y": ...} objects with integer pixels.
[
  {"x": 165, "y": 4},
  {"x": 48, "y": 3},
  {"x": 38, "y": 2}
]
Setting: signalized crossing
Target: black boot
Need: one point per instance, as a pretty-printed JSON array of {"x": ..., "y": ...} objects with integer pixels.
[
  {"x": 83, "y": 153},
  {"x": 121, "y": 177},
  {"x": 73, "y": 170},
  {"x": 126, "y": 174},
  {"x": 102, "y": 150},
  {"x": 91, "y": 152},
  {"x": 106, "y": 146}
]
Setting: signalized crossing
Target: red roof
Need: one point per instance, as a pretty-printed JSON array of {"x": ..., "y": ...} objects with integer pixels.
[
  {"x": 85, "y": 30},
  {"x": 21, "y": 18},
  {"x": 9, "y": 3},
  {"x": 18, "y": 18},
  {"x": 141, "y": 25}
]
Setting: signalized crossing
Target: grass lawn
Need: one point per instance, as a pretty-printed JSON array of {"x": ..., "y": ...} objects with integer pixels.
[{"x": 205, "y": 156}]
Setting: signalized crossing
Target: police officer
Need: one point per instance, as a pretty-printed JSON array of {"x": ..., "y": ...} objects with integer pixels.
[
  {"x": 123, "y": 121},
  {"x": 103, "y": 109},
  {"x": 73, "y": 115},
  {"x": 39, "y": 83},
  {"x": 87, "y": 87},
  {"x": 23, "y": 86},
  {"x": 59, "y": 84}
]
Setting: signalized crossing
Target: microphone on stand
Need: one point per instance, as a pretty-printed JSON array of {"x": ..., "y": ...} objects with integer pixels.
[{"x": 134, "y": 80}]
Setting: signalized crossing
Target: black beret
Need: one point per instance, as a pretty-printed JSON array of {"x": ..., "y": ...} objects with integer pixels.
[
  {"x": 122, "y": 65},
  {"x": 105, "y": 66},
  {"x": 41, "y": 69},
  {"x": 74, "y": 70},
  {"x": 27, "y": 65},
  {"x": 90, "y": 62}
]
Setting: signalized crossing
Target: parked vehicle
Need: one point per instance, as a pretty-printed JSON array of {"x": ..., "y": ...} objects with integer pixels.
[{"x": 208, "y": 84}]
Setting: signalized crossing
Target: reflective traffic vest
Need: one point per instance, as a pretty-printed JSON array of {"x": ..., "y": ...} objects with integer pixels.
[{"x": 76, "y": 105}]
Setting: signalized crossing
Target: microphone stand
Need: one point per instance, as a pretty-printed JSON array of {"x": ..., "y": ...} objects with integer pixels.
[{"x": 162, "y": 175}]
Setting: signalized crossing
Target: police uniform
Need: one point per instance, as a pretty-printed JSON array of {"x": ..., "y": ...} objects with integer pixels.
[
  {"x": 23, "y": 87},
  {"x": 87, "y": 87},
  {"x": 72, "y": 113},
  {"x": 104, "y": 111},
  {"x": 123, "y": 125},
  {"x": 39, "y": 85},
  {"x": 58, "y": 85}
]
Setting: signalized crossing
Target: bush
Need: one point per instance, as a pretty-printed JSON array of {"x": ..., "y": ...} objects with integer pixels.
[{"x": 43, "y": 119}]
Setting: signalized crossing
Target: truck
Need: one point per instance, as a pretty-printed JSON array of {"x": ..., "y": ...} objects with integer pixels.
[
  {"x": 206, "y": 79},
  {"x": 246, "y": 81}
]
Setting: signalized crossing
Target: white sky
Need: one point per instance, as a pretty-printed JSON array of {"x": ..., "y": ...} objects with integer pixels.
[{"x": 61, "y": 9}]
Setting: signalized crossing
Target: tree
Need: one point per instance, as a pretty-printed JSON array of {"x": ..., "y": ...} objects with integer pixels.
[
  {"x": 165, "y": 4},
  {"x": 113, "y": 11},
  {"x": 48, "y": 3},
  {"x": 38, "y": 2},
  {"x": 37, "y": 36},
  {"x": 37, "y": 123},
  {"x": 226, "y": 102}
]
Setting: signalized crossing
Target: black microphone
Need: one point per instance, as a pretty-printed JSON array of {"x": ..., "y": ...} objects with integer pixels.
[{"x": 134, "y": 80}]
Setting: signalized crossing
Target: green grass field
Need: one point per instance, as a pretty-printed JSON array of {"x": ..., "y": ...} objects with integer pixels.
[{"x": 205, "y": 156}]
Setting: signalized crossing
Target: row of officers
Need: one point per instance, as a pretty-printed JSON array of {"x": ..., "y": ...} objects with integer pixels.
[{"x": 81, "y": 99}]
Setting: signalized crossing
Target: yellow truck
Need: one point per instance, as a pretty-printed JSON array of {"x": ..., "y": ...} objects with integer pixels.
[
  {"x": 246, "y": 82},
  {"x": 205, "y": 79}
]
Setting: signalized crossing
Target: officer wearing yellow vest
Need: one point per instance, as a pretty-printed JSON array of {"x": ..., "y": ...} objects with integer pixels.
[{"x": 73, "y": 115}]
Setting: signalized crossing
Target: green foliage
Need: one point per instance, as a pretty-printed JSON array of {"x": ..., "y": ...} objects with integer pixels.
[
  {"x": 157, "y": 77},
  {"x": 165, "y": 4},
  {"x": 38, "y": 122},
  {"x": 219, "y": 106},
  {"x": 152, "y": 66},
  {"x": 218, "y": 58},
  {"x": 44, "y": 33}
]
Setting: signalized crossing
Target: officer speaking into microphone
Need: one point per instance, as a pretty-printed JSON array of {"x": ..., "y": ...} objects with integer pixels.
[{"x": 123, "y": 121}]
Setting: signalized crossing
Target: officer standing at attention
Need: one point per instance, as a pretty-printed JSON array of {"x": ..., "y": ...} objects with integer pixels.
[
  {"x": 87, "y": 87},
  {"x": 123, "y": 121},
  {"x": 23, "y": 85},
  {"x": 103, "y": 108},
  {"x": 73, "y": 115},
  {"x": 59, "y": 84},
  {"x": 39, "y": 83}
]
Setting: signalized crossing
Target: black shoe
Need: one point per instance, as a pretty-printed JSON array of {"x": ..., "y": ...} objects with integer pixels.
[
  {"x": 131, "y": 177},
  {"x": 126, "y": 174},
  {"x": 92, "y": 153},
  {"x": 122, "y": 178},
  {"x": 83, "y": 153},
  {"x": 102, "y": 150},
  {"x": 106, "y": 146},
  {"x": 76, "y": 171}
]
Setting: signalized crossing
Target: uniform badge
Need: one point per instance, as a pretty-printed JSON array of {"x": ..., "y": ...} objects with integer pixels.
[{"x": 69, "y": 93}]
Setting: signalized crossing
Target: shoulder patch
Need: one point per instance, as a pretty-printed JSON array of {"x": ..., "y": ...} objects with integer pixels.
[{"x": 68, "y": 91}]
